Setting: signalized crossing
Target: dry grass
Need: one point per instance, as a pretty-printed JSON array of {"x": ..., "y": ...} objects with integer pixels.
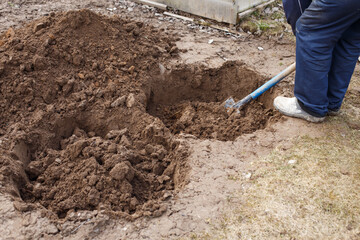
[{"x": 318, "y": 197}]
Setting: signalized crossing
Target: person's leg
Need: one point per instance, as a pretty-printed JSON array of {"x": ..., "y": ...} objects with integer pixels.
[
  {"x": 345, "y": 56},
  {"x": 293, "y": 10},
  {"x": 318, "y": 30}
]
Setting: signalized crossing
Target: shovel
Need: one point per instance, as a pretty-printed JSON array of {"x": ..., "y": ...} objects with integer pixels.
[{"x": 231, "y": 104}]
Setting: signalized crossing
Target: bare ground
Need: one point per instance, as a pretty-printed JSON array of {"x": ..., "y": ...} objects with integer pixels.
[{"x": 232, "y": 185}]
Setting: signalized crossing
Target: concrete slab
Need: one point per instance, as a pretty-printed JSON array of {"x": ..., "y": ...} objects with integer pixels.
[{"x": 220, "y": 10}]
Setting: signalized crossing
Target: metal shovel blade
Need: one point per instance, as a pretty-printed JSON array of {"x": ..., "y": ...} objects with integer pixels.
[{"x": 229, "y": 103}]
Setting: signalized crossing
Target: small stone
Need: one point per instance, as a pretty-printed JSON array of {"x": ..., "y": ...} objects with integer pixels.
[
  {"x": 162, "y": 69},
  {"x": 61, "y": 81},
  {"x": 35, "y": 169},
  {"x": 109, "y": 70},
  {"x": 173, "y": 50},
  {"x": 51, "y": 229},
  {"x": 163, "y": 178},
  {"x": 93, "y": 179},
  {"x": 118, "y": 102},
  {"x": 131, "y": 69},
  {"x": 149, "y": 149},
  {"x": 167, "y": 196},
  {"x": 292, "y": 161},
  {"x": 50, "y": 41},
  {"x": 81, "y": 76},
  {"x": 125, "y": 141},
  {"x": 58, "y": 160},
  {"x": 68, "y": 87},
  {"x": 136, "y": 32},
  {"x": 160, "y": 211},
  {"x": 82, "y": 104},
  {"x": 10, "y": 33},
  {"x": 130, "y": 101},
  {"x": 248, "y": 175},
  {"x": 39, "y": 26},
  {"x": 142, "y": 152},
  {"x": 39, "y": 63},
  {"x": 22, "y": 68},
  {"x": 115, "y": 133},
  {"x": 260, "y": 48}
]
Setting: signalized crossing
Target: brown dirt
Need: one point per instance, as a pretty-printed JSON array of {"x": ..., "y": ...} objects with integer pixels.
[
  {"x": 190, "y": 100},
  {"x": 221, "y": 171},
  {"x": 83, "y": 99},
  {"x": 76, "y": 133}
]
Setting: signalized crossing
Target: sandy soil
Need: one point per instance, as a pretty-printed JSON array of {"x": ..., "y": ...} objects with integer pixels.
[{"x": 112, "y": 128}]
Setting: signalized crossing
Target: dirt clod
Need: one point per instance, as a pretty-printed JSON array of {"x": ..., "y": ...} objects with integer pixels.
[{"x": 121, "y": 171}]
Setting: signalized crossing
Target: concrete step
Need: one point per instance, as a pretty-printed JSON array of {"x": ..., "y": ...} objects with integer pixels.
[{"x": 220, "y": 10}]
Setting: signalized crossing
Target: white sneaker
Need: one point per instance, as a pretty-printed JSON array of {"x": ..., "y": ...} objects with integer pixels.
[{"x": 290, "y": 107}]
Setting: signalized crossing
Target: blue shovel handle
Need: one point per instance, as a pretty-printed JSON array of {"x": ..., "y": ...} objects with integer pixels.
[{"x": 258, "y": 92}]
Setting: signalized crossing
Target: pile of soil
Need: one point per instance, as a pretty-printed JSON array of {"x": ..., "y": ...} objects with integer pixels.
[
  {"x": 74, "y": 132},
  {"x": 90, "y": 108}
]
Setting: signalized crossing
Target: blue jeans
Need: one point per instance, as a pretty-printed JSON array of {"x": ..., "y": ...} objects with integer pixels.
[
  {"x": 293, "y": 10},
  {"x": 327, "y": 48}
]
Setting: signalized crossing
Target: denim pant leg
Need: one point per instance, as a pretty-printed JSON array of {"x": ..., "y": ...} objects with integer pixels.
[
  {"x": 345, "y": 56},
  {"x": 319, "y": 29},
  {"x": 293, "y": 10}
]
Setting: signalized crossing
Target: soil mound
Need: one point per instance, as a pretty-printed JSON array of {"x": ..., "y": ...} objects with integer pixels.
[
  {"x": 74, "y": 132},
  {"x": 90, "y": 109}
]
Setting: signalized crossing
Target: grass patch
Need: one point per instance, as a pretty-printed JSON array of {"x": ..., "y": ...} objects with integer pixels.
[
  {"x": 317, "y": 197},
  {"x": 267, "y": 22},
  {"x": 263, "y": 26}
]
